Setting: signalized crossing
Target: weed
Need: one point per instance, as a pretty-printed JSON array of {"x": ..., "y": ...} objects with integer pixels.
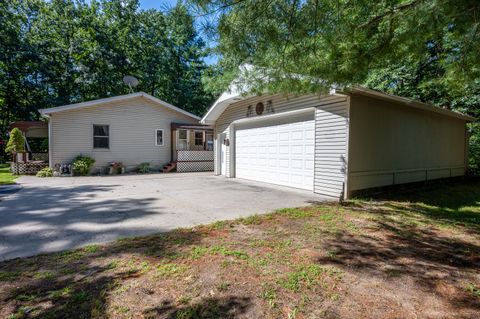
[
  {"x": 57, "y": 294},
  {"x": 251, "y": 220},
  {"x": 122, "y": 309},
  {"x": 296, "y": 212},
  {"x": 223, "y": 286},
  {"x": 306, "y": 275},
  {"x": 24, "y": 297},
  {"x": 393, "y": 273},
  {"x": 473, "y": 289},
  {"x": 9, "y": 275},
  {"x": 269, "y": 294},
  {"x": 227, "y": 252},
  {"x": 198, "y": 252},
  {"x": 79, "y": 297},
  {"x": 331, "y": 254},
  {"x": 91, "y": 249},
  {"x": 112, "y": 265},
  {"x": 293, "y": 313},
  {"x": 46, "y": 275},
  {"x": 170, "y": 270},
  {"x": 183, "y": 300}
]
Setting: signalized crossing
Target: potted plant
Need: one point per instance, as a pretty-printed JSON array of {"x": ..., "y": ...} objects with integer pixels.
[{"x": 116, "y": 168}]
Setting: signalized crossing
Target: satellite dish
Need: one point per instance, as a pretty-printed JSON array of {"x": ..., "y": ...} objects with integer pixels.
[{"x": 131, "y": 81}]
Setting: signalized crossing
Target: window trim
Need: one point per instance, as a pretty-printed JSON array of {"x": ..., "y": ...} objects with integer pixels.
[
  {"x": 163, "y": 137},
  {"x": 93, "y": 137},
  {"x": 195, "y": 138}
]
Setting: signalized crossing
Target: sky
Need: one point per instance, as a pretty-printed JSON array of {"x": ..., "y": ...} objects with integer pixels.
[{"x": 156, "y": 4}]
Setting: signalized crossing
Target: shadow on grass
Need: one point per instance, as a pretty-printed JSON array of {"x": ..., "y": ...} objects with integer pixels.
[
  {"x": 224, "y": 307},
  {"x": 406, "y": 237},
  {"x": 454, "y": 203},
  {"x": 76, "y": 284}
]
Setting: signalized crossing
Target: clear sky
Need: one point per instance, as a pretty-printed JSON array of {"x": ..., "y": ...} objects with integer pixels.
[{"x": 156, "y": 4}]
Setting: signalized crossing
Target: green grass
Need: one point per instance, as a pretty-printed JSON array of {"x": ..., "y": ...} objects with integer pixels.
[
  {"x": 288, "y": 262},
  {"x": 6, "y": 177}
]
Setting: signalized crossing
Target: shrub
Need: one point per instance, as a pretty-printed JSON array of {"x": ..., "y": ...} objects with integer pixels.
[
  {"x": 16, "y": 142},
  {"x": 45, "y": 172},
  {"x": 82, "y": 165},
  {"x": 143, "y": 168}
]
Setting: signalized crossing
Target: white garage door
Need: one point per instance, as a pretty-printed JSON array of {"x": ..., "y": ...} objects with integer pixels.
[{"x": 280, "y": 154}]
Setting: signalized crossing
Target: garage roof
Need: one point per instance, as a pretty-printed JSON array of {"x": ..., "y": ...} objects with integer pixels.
[
  {"x": 69, "y": 107},
  {"x": 233, "y": 94}
]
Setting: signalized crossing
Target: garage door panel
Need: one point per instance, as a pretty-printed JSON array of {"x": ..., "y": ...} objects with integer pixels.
[{"x": 279, "y": 154}]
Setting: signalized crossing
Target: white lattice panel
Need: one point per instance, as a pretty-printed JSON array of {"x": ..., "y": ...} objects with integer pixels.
[
  {"x": 185, "y": 156},
  {"x": 194, "y": 166}
]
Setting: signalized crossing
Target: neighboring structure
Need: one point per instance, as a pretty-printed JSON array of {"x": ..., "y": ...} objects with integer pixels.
[
  {"x": 34, "y": 158},
  {"x": 131, "y": 129},
  {"x": 336, "y": 144}
]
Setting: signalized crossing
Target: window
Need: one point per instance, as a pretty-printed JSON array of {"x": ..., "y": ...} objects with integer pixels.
[
  {"x": 182, "y": 134},
  {"x": 198, "y": 138},
  {"x": 101, "y": 136},
  {"x": 159, "y": 137}
]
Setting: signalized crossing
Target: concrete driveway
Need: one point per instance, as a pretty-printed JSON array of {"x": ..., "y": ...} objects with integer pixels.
[{"x": 53, "y": 214}]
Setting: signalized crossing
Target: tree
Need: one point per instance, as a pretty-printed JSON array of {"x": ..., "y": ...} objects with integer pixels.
[
  {"x": 16, "y": 142},
  {"x": 423, "y": 49},
  {"x": 331, "y": 42},
  {"x": 58, "y": 52}
]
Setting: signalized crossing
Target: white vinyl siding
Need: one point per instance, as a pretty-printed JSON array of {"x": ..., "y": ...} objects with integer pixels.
[
  {"x": 331, "y": 134},
  {"x": 131, "y": 124}
]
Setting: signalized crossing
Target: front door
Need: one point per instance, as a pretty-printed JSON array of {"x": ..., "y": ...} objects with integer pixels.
[
  {"x": 209, "y": 142},
  {"x": 182, "y": 140}
]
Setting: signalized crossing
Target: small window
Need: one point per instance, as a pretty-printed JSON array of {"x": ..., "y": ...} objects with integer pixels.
[
  {"x": 101, "y": 136},
  {"x": 159, "y": 137},
  {"x": 182, "y": 134},
  {"x": 198, "y": 138}
]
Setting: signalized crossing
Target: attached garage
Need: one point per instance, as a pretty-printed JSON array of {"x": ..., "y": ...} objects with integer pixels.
[
  {"x": 277, "y": 151},
  {"x": 336, "y": 144}
]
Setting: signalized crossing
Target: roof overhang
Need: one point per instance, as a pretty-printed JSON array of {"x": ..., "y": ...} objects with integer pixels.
[
  {"x": 233, "y": 95},
  {"x": 228, "y": 97},
  {"x": 406, "y": 101},
  {"x": 197, "y": 127},
  {"x": 69, "y": 107}
]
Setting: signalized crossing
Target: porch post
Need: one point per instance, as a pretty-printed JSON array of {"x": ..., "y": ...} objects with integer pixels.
[{"x": 172, "y": 146}]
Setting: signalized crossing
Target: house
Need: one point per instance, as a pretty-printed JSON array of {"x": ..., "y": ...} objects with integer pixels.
[
  {"x": 131, "y": 129},
  {"x": 336, "y": 144}
]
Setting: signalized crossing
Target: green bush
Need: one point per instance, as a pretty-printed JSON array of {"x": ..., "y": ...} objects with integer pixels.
[
  {"x": 45, "y": 172},
  {"x": 143, "y": 168},
  {"x": 16, "y": 142},
  {"x": 82, "y": 165}
]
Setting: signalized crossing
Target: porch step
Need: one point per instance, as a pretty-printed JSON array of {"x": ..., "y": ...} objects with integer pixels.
[{"x": 169, "y": 167}]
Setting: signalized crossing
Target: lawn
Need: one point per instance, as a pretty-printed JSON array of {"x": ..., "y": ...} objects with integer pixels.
[
  {"x": 408, "y": 256},
  {"x": 6, "y": 177}
]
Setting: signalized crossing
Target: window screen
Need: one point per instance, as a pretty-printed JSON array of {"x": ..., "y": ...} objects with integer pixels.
[
  {"x": 101, "y": 136},
  {"x": 198, "y": 138},
  {"x": 159, "y": 137}
]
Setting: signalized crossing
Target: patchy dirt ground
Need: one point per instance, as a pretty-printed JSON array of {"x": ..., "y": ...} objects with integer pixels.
[{"x": 405, "y": 257}]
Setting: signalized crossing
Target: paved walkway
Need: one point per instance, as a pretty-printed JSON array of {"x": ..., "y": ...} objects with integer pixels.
[{"x": 58, "y": 213}]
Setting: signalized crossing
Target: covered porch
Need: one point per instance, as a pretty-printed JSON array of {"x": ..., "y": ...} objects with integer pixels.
[
  {"x": 192, "y": 147},
  {"x": 35, "y": 156}
]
